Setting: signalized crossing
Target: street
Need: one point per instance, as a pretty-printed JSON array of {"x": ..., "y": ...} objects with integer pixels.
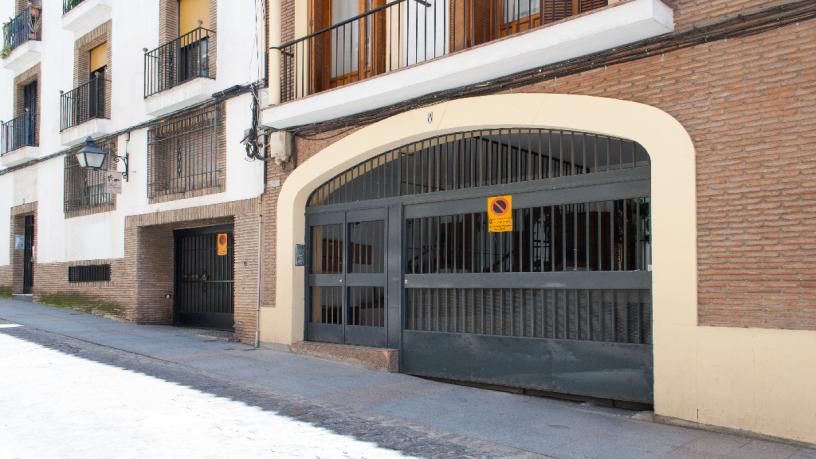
[{"x": 74, "y": 385}]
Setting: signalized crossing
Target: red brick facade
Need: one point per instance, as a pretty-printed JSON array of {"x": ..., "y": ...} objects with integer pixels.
[{"x": 749, "y": 105}]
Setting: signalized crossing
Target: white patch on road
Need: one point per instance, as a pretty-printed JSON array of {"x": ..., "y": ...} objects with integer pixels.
[
  {"x": 58, "y": 405},
  {"x": 10, "y": 325}
]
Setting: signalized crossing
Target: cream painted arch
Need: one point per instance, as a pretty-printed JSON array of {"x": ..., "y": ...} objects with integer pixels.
[{"x": 700, "y": 374}]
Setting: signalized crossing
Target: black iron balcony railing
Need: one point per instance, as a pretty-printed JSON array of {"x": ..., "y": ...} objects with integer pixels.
[
  {"x": 18, "y": 132},
  {"x": 68, "y": 5},
  {"x": 85, "y": 102},
  {"x": 178, "y": 61},
  {"x": 403, "y": 33},
  {"x": 26, "y": 26}
]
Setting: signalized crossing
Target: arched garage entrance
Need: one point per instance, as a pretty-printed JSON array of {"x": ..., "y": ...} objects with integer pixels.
[{"x": 401, "y": 255}]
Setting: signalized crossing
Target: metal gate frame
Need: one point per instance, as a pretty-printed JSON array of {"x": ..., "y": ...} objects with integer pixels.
[
  {"x": 345, "y": 333},
  {"x": 192, "y": 319},
  {"x": 612, "y": 370}
]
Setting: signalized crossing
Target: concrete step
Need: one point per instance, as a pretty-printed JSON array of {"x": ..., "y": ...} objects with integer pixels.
[
  {"x": 374, "y": 358},
  {"x": 23, "y": 297}
]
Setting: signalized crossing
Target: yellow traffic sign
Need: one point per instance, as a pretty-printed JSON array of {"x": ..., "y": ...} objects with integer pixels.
[{"x": 500, "y": 214}]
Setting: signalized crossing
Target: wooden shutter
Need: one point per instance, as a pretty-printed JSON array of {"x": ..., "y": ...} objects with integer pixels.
[
  {"x": 319, "y": 46},
  {"x": 555, "y": 10},
  {"x": 472, "y": 22},
  {"x": 586, "y": 5}
]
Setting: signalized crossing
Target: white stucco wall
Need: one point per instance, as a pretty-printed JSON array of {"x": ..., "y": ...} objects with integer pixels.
[{"x": 135, "y": 26}]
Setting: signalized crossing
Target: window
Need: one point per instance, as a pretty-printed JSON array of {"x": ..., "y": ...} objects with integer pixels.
[
  {"x": 184, "y": 154},
  {"x": 85, "y": 188}
]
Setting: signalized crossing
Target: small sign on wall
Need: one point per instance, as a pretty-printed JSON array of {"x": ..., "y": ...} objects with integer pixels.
[
  {"x": 113, "y": 182},
  {"x": 300, "y": 255},
  {"x": 222, "y": 243},
  {"x": 19, "y": 241},
  {"x": 500, "y": 214}
]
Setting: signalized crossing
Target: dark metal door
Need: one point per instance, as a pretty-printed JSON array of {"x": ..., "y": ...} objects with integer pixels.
[
  {"x": 28, "y": 255},
  {"x": 561, "y": 303},
  {"x": 204, "y": 278},
  {"x": 347, "y": 278},
  {"x": 30, "y": 106}
]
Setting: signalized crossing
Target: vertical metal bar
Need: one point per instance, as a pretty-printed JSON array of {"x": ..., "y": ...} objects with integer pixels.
[
  {"x": 612, "y": 236},
  {"x": 625, "y": 248},
  {"x": 638, "y": 236}
]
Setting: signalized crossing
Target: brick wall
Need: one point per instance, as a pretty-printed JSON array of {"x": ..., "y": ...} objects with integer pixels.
[
  {"x": 140, "y": 280},
  {"x": 149, "y": 255},
  {"x": 82, "y": 58},
  {"x": 17, "y": 226},
  {"x": 5, "y": 277},
  {"x": 52, "y": 278},
  {"x": 749, "y": 105}
]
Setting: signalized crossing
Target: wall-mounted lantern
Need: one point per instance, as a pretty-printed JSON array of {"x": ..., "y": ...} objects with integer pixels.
[{"x": 90, "y": 156}]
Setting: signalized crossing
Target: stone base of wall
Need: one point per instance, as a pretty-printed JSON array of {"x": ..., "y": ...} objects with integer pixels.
[{"x": 370, "y": 357}]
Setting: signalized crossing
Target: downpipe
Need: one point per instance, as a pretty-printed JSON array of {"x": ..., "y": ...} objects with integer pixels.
[{"x": 258, "y": 285}]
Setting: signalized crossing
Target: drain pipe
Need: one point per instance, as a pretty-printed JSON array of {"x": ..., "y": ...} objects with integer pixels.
[{"x": 258, "y": 283}]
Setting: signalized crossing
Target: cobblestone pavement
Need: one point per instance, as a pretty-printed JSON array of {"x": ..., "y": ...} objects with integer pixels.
[{"x": 414, "y": 416}]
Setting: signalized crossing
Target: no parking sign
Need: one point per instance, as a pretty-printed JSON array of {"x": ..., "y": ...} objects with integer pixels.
[{"x": 500, "y": 214}]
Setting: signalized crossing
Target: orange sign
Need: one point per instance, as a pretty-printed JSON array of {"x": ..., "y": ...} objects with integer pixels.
[
  {"x": 500, "y": 214},
  {"x": 222, "y": 243}
]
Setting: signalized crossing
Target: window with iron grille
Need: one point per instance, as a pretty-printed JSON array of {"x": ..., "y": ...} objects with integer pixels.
[
  {"x": 85, "y": 188},
  {"x": 184, "y": 154},
  {"x": 89, "y": 273}
]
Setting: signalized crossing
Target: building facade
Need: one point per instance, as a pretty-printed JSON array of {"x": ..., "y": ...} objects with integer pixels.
[
  {"x": 603, "y": 199},
  {"x": 146, "y": 82}
]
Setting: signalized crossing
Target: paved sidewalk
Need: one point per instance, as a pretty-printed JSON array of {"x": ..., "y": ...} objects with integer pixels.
[{"x": 412, "y": 415}]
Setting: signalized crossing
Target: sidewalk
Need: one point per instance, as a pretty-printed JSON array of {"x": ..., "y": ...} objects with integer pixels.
[{"x": 394, "y": 410}]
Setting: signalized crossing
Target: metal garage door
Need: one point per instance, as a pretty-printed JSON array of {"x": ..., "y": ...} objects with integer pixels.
[
  {"x": 561, "y": 303},
  {"x": 204, "y": 285}
]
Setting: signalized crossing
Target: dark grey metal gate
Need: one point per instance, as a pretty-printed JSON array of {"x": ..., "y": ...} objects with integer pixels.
[
  {"x": 347, "y": 277},
  {"x": 561, "y": 303},
  {"x": 28, "y": 255},
  {"x": 204, "y": 282}
]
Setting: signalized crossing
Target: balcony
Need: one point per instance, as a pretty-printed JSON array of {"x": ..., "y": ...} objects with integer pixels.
[
  {"x": 21, "y": 40},
  {"x": 85, "y": 111},
  {"x": 68, "y": 5},
  {"x": 82, "y": 16},
  {"x": 410, "y": 48},
  {"x": 179, "y": 73},
  {"x": 18, "y": 140}
]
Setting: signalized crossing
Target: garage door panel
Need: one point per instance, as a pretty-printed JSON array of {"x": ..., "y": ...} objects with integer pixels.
[
  {"x": 598, "y": 369},
  {"x": 523, "y": 196},
  {"x": 560, "y": 302},
  {"x": 326, "y": 333},
  {"x": 574, "y": 279}
]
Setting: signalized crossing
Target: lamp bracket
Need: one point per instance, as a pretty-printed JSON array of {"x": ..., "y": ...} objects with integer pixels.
[{"x": 126, "y": 160}]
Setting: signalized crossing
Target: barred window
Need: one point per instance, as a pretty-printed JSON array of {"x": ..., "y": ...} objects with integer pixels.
[
  {"x": 85, "y": 188},
  {"x": 89, "y": 273},
  {"x": 184, "y": 154}
]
